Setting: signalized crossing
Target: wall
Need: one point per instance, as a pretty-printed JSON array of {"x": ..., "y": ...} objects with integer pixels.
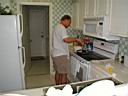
[
  {"x": 35, "y": 0},
  {"x": 25, "y": 39},
  {"x": 15, "y": 7},
  {"x": 123, "y": 47},
  {"x": 40, "y": 0},
  {"x": 5, "y": 2},
  {"x": 60, "y": 8}
]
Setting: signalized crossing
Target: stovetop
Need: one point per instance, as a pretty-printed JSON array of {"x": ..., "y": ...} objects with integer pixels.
[{"x": 90, "y": 55}]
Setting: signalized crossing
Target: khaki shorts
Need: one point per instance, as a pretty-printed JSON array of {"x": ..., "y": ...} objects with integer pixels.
[{"x": 61, "y": 64}]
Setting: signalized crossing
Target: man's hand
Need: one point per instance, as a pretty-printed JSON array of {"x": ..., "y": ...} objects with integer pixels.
[
  {"x": 80, "y": 42},
  {"x": 70, "y": 40}
]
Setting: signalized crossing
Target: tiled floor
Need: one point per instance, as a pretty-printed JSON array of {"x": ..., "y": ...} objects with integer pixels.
[{"x": 39, "y": 75}]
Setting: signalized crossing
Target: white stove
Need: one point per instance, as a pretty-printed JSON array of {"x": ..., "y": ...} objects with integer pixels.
[
  {"x": 104, "y": 48},
  {"x": 103, "y": 52}
]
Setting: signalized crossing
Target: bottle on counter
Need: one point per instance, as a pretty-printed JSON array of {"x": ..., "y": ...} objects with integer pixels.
[
  {"x": 109, "y": 68},
  {"x": 88, "y": 44}
]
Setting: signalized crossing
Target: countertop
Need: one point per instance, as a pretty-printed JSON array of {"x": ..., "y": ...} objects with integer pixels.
[
  {"x": 120, "y": 89},
  {"x": 119, "y": 70},
  {"x": 28, "y": 92}
]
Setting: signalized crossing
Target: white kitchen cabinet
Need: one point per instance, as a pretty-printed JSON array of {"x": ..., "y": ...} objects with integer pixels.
[
  {"x": 97, "y": 8},
  {"x": 75, "y": 14},
  {"x": 115, "y": 10},
  {"x": 81, "y": 13},
  {"x": 119, "y": 18},
  {"x": 97, "y": 73},
  {"x": 78, "y": 14},
  {"x": 102, "y": 7},
  {"x": 90, "y": 8}
]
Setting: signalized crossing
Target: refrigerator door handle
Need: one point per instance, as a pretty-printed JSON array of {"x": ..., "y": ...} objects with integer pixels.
[
  {"x": 21, "y": 24},
  {"x": 24, "y": 57}
]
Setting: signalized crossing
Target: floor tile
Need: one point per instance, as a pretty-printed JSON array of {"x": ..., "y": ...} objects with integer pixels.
[
  {"x": 37, "y": 81},
  {"x": 39, "y": 75}
]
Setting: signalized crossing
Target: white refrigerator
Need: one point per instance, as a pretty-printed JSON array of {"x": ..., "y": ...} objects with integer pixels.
[{"x": 12, "y": 53}]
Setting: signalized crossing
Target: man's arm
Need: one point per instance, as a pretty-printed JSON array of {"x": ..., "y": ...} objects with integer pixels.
[{"x": 70, "y": 40}]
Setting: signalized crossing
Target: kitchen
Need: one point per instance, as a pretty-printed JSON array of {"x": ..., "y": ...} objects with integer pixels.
[{"x": 77, "y": 20}]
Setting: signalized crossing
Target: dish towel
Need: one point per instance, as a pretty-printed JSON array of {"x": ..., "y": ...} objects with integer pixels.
[{"x": 75, "y": 66}]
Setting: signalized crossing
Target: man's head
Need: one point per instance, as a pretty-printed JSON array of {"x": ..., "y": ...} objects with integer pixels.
[{"x": 66, "y": 21}]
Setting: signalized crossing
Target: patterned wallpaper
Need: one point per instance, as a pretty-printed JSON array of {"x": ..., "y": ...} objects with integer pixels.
[
  {"x": 123, "y": 47},
  {"x": 60, "y": 8},
  {"x": 5, "y": 3},
  {"x": 13, "y": 5}
]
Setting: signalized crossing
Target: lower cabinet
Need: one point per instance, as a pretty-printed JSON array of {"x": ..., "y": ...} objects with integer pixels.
[
  {"x": 78, "y": 14},
  {"x": 97, "y": 73}
]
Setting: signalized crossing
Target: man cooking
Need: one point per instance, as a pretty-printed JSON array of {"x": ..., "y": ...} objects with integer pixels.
[{"x": 60, "y": 51}]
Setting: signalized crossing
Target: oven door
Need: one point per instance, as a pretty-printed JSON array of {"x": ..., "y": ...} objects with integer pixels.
[
  {"x": 83, "y": 76},
  {"x": 83, "y": 72}
]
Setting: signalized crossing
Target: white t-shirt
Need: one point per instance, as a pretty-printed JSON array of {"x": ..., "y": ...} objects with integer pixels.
[{"x": 59, "y": 47}]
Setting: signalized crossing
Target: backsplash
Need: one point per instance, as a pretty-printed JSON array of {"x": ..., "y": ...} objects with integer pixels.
[{"x": 123, "y": 47}]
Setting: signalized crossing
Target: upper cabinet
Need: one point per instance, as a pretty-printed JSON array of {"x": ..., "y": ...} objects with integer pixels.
[
  {"x": 97, "y": 8},
  {"x": 102, "y": 7},
  {"x": 81, "y": 13},
  {"x": 119, "y": 18},
  {"x": 75, "y": 14},
  {"x": 113, "y": 9},
  {"x": 90, "y": 7},
  {"x": 78, "y": 14}
]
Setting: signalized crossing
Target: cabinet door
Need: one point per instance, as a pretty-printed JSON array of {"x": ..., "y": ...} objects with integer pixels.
[
  {"x": 81, "y": 13},
  {"x": 119, "y": 18},
  {"x": 75, "y": 14},
  {"x": 102, "y": 7},
  {"x": 97, "y": 73},
  {"x": 90, "y": 8}
]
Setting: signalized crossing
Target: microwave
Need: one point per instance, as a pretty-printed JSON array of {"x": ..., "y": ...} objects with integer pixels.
[
  {"x": 98, "y": 27},
  {"x": 94, "y": 27}
]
